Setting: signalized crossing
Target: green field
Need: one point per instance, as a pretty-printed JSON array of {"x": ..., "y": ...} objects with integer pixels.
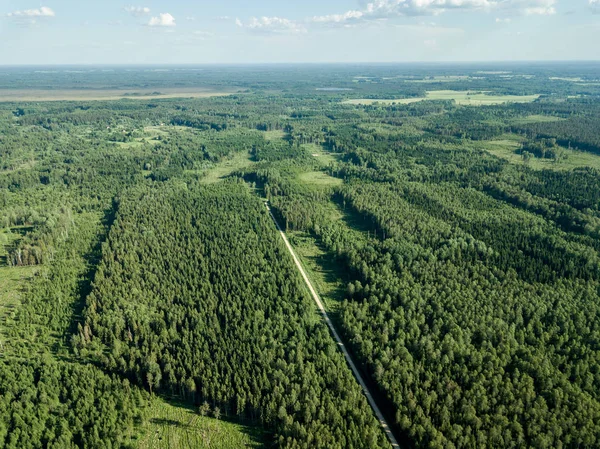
[
  {"x": 325, "y": 272},
  {"x": 109, "y": 94},
  {"x": 320, "y": 179},
  {"x": 177, "y": 426},
  {"x": 276, "y": 134},
  {"x": 506, "y": 149},
  {"x": 324, "y": 157},
  {"x": 536, "y": 118},
  {"x": 223, "y": 169},
  {"x": 440, "y": 79},
  {"x": 465, "y": 98},
  {"x": 12, "y": 283}
]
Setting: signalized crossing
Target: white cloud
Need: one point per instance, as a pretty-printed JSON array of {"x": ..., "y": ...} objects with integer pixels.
[
  {"x": 505, "y": 20},
  {"x": 275, "y": 25},
  {"x": 163, "y": 20},
  {"x": 385, "y": 9},
  {"x": 137, "y": 10},
  {"x": 530, "y": 7},
  {"x": 190, "y": 18},
  {"x": 238, "y": 22},
  {"x": 43, "y": 11},
  {"x": 337, "y": 18},
  {"x": 595, "y": 6}
]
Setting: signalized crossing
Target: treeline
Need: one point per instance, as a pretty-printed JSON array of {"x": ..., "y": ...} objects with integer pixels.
[
  {"x": 473, "y": 288},
  {"x": 52, "y": 404},
  {"x": 205, "y": 303},
  {"x": 37, "y": 245}
]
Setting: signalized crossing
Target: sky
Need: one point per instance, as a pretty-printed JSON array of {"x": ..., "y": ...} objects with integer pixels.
[{"x": 293, "y": 31}]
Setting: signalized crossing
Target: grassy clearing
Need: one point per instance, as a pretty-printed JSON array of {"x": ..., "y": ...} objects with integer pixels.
[
  {"x": 7, "y": 95},
  {"x": 175, "y": 426},
  {"x": 12, "y": 283},
  {"x": 326, "y": 275},
  {"x": 319, "y": 179},
  {"x": 467, "y": 98},
  {"x": 324, "y": 157},
  {"x": 505, "y": 149},
  {"x": 537, "y": 119},
  {"x": 225, "y": 168},
  {"x": 274, "y": 135},
  {"x": 440, "y": 79}
]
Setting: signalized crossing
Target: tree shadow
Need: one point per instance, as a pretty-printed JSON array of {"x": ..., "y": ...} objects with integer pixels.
[
  {"x": 258, "y": 436},
  {"x": 84, "y": 285}
]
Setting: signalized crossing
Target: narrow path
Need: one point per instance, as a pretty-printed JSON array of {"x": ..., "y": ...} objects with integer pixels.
[{"x": 359, "y": 378}]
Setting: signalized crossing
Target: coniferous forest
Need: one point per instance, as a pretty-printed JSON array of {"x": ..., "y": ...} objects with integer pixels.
[{"x": 455, "y": 245}]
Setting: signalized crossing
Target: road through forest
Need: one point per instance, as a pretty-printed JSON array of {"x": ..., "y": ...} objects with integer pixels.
[{"x": 355, "y": 371}]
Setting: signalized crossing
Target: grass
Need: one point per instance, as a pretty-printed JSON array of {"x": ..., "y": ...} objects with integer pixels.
[
  {"x": 319, "y": 179},
  {"x": 506, "y": 147},
  {"x": 274, "y": 135},
  {"x": 12, "y": 283},
  {"x": 536, "y": 118},
  {"x": 225, "y": 168},
  {"x": 174, "y": 426},
  {"x": 7, "y": 95},
  {"x": 467, "y": 98},
  {"x": 326, "y": 158},
  {"x": 328, "y": 276},
  {"x": 440, "y": 79}
]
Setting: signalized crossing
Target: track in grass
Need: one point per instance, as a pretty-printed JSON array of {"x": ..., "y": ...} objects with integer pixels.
[{"x": 338, "y": 340}]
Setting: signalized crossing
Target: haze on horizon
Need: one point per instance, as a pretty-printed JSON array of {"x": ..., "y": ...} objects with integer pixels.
[{"x": 271, "y": 31}]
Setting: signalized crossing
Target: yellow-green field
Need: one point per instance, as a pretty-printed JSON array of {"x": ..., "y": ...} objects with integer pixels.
[
  {"x": 536, "y": 118},
  {"x": 324, "y": 157},
  {"x": 109, "y": 94},
  {"x": 175, "y": 426},
  {"x": 225, "y": 168},
  {"x": 505, "y": 148},
  {"x": 274, "y": 135},
  {"x": 466, "y": 98},
  {"x": 319, "y": 179}
]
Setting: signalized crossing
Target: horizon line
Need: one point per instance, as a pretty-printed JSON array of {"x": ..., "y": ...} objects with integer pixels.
[{"x": 179, "y": 64}]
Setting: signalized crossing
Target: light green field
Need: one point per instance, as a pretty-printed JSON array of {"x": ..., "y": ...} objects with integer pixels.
[
  {"x": 324, "y": 157},
  {"x": 440, "y": 79},
  {"x": 175, "y": 426},
  {"x": 505, "y": 149},
  {"x": 276, "y": 134},
  {"x": 573, "y": 80},
  {"x": 537, "y": 119},
  {"x": 460, "y": 97},
  {"x": 225, "y": 168},
  {"x": 319, "y": 179},
  {"x": 109, "y": 94},
  {"x": 12, "y": 283},
  {"x": 325, "y": 274}
]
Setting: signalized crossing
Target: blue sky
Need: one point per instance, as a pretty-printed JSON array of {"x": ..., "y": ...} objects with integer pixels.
[{"x": 236, "y": 31}]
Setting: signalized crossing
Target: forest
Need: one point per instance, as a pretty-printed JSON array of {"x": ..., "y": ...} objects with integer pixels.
[{"x": 455, "y": 247}]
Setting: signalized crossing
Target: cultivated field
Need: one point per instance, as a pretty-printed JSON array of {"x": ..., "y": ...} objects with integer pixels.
[
  {"x": 466, "y": 98},
  {"x": 10, "y": 95}
]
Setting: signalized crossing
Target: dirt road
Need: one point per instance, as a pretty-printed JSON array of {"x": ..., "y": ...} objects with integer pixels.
[{"x": 357, "y": 374}]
